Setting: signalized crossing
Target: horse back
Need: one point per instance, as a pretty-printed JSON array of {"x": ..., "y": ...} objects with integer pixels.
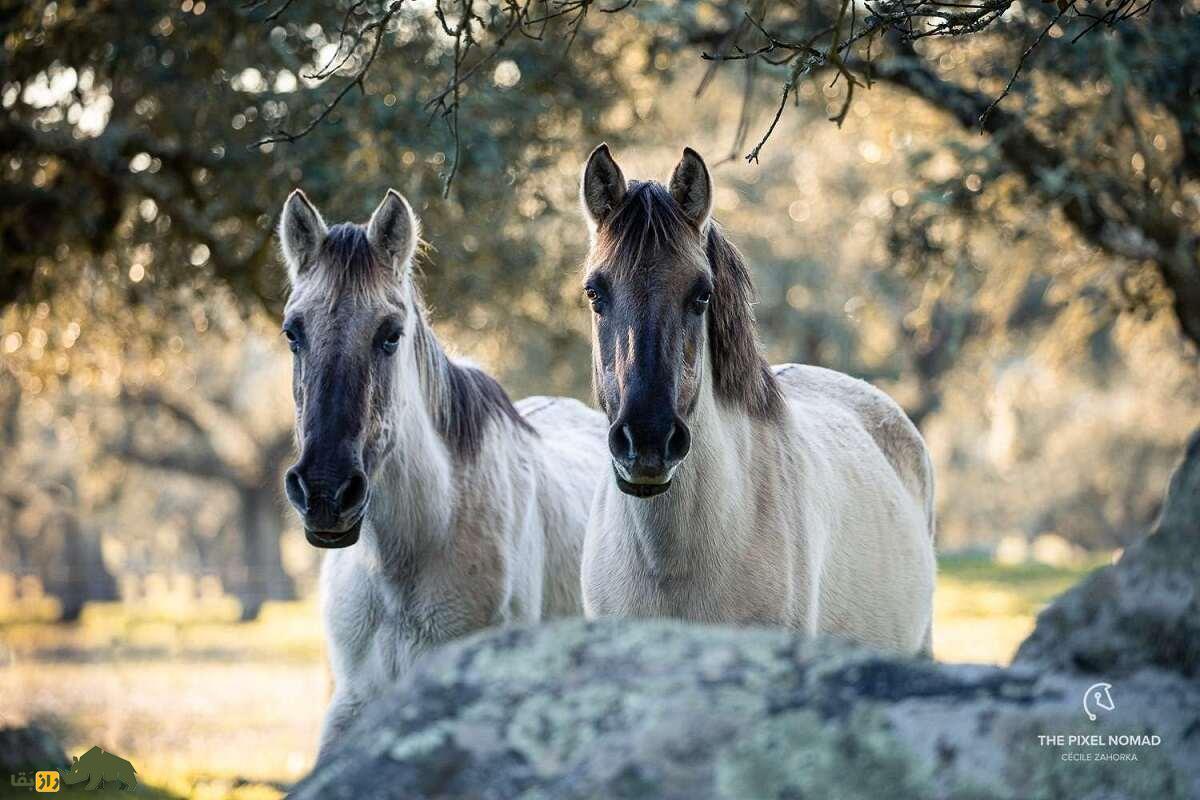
[
  {"x": 572, "y": 442},
  {"x": 880, "y": 417}
]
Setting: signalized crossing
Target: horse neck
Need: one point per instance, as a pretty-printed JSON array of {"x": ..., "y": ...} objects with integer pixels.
[
  {"x": 413, "y": 510},
  {"x": 698, "y": 520}
]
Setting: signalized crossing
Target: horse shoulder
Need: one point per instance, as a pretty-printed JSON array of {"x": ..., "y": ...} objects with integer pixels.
[{"x": 888, "y": 427}]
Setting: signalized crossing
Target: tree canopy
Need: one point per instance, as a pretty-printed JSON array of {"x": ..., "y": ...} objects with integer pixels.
[{"x": 951, "y": 199}]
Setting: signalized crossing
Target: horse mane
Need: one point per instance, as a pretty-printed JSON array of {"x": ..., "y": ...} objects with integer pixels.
[
  {"x": 741, "y": 374},
  {"x": 649, "y": 224},
  {"x": 462, "y": 400}
]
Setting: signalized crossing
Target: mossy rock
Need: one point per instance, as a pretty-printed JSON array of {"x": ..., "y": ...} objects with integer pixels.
[{"x": 662, "y": 709}]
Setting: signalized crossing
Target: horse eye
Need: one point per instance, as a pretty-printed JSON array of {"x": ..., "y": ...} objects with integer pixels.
[
  {"x": 593, "y": 297},
  {"x": 702, "y": 301},
  {"x": 391, "y": 343},
  {"x": 292, "y": 340}
]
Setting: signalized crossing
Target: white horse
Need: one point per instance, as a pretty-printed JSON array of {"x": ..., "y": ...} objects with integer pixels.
[
  {"x": 471, "y": 510},
  {"x": 807, "y": 497}
]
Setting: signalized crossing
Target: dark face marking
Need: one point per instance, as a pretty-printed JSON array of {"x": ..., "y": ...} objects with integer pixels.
[
  {"x": 666, "y": 289},
  {"x": 649, "y": 289},
  {"x": 344, "y": 332}
]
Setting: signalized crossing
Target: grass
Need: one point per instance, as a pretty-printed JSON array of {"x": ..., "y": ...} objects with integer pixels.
[
  {"x": 983, "y": 610},
  {"x": 206, "y": 707}
]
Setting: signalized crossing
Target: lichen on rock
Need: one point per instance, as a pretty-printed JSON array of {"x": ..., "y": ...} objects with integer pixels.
[{"x": 664, "y": 709}]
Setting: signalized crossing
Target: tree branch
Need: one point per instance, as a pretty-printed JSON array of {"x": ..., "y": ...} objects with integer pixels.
[
  {"x": 1159, "y": 236},
  {"x": 209, "y": 467}
]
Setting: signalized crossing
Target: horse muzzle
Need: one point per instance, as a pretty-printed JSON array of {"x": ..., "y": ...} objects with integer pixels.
[
  {"x": 332, "y": 510},
  {"x": 641, "y": 486},
  {"x": 332, "y": 540}
]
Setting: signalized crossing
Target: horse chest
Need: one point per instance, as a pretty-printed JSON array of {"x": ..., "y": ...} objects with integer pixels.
[
  {"x": 761, "y": 581},
  {"x": 376, "y": 630}
]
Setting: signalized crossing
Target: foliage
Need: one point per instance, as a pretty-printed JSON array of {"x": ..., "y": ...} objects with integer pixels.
[
  {"x": 128, "y": 131},
  {"x": 1019, "y": 292}
]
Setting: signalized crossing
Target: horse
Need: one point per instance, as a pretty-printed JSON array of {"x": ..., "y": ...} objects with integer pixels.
[
  {"x": 444, "y": 506},
  {"x": 741, "y": 493}
]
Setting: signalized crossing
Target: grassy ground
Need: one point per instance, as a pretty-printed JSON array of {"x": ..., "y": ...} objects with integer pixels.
[
  {"x": 983, "y": 610},
  {"x": 205, "y": 707}
]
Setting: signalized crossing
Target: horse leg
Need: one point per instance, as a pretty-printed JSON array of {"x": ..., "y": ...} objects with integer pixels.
[{"x": 343, "y": 710}]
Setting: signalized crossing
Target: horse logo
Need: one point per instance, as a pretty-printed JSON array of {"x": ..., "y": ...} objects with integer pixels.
[{"x": 1099, "y": 698}]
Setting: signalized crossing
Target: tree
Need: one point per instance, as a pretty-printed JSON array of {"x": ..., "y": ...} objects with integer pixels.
[
  {"x": 1088, "y": 154},
  {"x": 249, "y": 465},
  {"x": 129, "y": 134},
  {"x": 306, "y": 92},
  {"x": 41, "y": 519},
  {"x": 1101, "y": 127}
]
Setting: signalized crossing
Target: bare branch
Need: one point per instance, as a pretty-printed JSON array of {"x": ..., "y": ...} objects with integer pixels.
[
  {"x": 1008, "y": 86},
  {"x": 379, "y": 27},
  {"x": 831, "y": 45},
  {"x": 206, "y": 467},
  {"x": 467, "y": 31}
]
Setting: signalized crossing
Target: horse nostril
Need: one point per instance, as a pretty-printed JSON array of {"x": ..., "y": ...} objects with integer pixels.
[
  {"x": 353, "y": 492},
  {"x": 679, "y": 442},
  {"x": 620, "y": 443},
  {"x": 297, "y": 492}
]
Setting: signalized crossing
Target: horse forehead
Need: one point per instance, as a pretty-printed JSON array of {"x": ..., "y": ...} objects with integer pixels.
[
  {"x": 333, "y": 315},
  {"x": 654, "y": 269}
]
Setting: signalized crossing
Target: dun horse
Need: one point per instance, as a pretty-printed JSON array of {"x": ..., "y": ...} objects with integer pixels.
[
  {"x": 471, "y": 511},
  {"x": 740, "y": 492}
]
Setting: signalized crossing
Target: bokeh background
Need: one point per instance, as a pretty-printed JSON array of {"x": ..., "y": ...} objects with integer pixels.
[{"x": 1023, "y": 293}]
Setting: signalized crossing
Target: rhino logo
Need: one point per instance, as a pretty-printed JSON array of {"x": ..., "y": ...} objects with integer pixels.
[{"x": 101, "y": 769}]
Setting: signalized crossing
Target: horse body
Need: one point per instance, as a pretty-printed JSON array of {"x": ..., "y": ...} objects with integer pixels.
[
  {"x": 449, "y": 549},
  {"x": 446, "y": 507},
  {"x": 790, "y": 495},
  {"x": 788, "y": 523}
]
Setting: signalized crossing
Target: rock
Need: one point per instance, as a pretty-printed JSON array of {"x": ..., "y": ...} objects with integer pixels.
[
  {"x": 1142, "y": 612},
  {"x": 29, "y": 749},
  {"x": 663, "y": 709}
]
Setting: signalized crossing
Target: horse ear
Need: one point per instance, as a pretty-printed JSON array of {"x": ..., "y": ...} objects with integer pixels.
[
  {"x": 691, "y": 187},
  {"x": 393, "y": 229},
  {"x": 603, "y": 186},
  {"x": 301, "y": 231}
]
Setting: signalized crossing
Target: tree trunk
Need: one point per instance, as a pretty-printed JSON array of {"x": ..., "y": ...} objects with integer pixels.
[
  {"x": 78, "y": 575},
  {"x": 262, "y": 576}
]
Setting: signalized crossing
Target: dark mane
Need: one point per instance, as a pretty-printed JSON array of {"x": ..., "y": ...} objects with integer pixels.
[
  {"x": 741, "y": 374},
  {"x": 463, "y": 400},
  {"x": 647, "y": 225},
  {"x": 650, "y": 225}
]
